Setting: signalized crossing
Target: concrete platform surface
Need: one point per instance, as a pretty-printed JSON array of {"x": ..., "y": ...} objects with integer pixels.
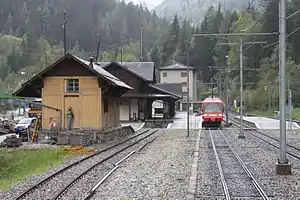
[
  {"x": 268, "y": 123},
  {"x": 180, "y": 121}
]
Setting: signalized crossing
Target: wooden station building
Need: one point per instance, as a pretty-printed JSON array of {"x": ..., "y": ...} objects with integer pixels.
[
  {"x": 100, "y": 94},
  {"x": 136, "y": 104},
  {"x": 92, "y": 92}
]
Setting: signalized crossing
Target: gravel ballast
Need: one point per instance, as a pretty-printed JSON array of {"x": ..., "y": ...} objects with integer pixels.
[
  {"x": 160, "y": 171},
  {"x": 209, "y": 184},
  {"x": 55, "y": 184},
  {"x": 261, "y": 159},
  {"x": 81, "y": 188}
]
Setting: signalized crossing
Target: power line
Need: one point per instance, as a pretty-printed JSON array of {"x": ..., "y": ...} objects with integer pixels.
[
  {"x": 259, "y": 15},
  {"x": 234, "y": 34},
  {"x": 294, "y": 31},
  {"x": 293, "y": 14}
]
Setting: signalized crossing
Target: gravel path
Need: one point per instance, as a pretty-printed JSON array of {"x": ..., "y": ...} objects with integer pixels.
[
  {"x": 260, "y": 159},
  {"x": 160, "y": 171},
  {"x": 57, "y": 182}
]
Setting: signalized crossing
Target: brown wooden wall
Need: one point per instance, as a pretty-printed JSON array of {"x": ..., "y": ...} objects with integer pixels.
[
  {"x": 112, "y": 117},
  {"x": 85, "y": 104}
]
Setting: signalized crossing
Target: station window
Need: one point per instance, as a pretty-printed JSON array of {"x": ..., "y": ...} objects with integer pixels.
[
  {"x": 72, "y": 85},
  {"x": 165, "y": 74},
  {"x": 183, "y": 74},
  {"x": 184, "y": 84}
]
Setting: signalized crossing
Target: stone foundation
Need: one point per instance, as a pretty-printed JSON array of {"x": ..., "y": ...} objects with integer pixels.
[
  {"x": 157, "y": 123},
  {"x": 86, "y": 137}
]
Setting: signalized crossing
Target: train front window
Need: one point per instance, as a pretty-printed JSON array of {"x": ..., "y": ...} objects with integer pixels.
[{"x": 212, "y": 108}]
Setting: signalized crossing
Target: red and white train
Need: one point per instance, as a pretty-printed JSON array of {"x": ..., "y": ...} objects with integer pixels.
[{"x": 212, "y": 110}]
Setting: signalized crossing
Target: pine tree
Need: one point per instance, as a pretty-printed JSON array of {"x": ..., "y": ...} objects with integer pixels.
[{"x": 171, "y": 42}]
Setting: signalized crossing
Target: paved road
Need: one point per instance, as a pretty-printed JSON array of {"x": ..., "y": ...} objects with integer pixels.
[
  {"x": 180, "y": 121},
  {"x": 268, "y": 123}
]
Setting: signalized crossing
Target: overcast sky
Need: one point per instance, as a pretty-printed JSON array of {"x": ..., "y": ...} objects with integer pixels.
[{"x": 149, "y": 3}]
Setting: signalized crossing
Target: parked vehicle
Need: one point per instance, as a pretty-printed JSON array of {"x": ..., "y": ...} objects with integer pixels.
[{"x": 23, "y": 127}]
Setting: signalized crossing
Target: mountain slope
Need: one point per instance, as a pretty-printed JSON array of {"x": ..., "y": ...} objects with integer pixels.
[{"x": 194, "y": 10}]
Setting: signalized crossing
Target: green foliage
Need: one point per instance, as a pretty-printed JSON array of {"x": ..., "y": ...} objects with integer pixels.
[
  {"x": 33, "y": 38},
  {"x": 18, "y": 164}
]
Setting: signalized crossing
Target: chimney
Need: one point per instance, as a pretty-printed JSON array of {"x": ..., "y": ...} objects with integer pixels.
[{"x": 91, "y": 62}]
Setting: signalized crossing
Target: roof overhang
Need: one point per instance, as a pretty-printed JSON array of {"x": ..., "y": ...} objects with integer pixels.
[
  {"x": 176, "y": 96},
  {"x": 149, "y": 96},
  {"x": 125, "y": 68},
  {"x": 32, "y": 87}
]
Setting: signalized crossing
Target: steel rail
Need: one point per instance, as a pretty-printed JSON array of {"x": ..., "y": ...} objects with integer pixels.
[
  {"x": 253, "y": 180},
  {"x": 270, "y": 137},
  {"x": 57, "y": 195},
  {"x": 225, "y": 188},
  {"x": 93, "y": 190},
  {"x": 24, "y": 193}
]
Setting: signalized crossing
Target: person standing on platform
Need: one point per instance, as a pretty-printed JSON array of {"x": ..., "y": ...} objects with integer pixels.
[{"x": 70, "y": 118}]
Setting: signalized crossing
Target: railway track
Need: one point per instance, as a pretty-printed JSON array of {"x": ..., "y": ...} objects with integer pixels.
[
  {"x": 92, "y": 191},
  {"x": 61, "y": 178},
  {"x": 291, "y": 150},
  {"x": 233, "y": 171}
]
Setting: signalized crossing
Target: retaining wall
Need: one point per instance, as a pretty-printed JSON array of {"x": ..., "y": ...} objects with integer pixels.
[
  {"x": 86, "y": 137},
  {"x": 157, "y": 123}
]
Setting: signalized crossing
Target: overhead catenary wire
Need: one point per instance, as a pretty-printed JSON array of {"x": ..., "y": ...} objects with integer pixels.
[
  {"x": 274, "y": 43},
  {"x": 260, "y": 15}
]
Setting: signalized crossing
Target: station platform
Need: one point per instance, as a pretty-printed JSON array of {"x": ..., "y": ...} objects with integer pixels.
[
  {"x": 180, "y": 121},
  {"x": 267, "y": 123}
]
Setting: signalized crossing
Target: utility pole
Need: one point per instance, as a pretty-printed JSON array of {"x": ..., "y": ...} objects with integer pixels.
[
  {"x": 282, "y": 166},
  {"x": 227, "y": 93},
  {"x": 290, "y": 110},
  {"x": 211, "y": 84},
  {"x": 97, "y": 54},
  {"x": 141, "y": 44},
  {"x": 241, "y": 135},
  {"x": 241, "y": 67},
  {"x": 65, "y": 32},
  {"x": 241, "y": 44},
  {"x": 188, "y": 91},
  {"x": 220, "y": 86},
  {"x": 122, "y": 51},
  {"x": 270, "y": 97}
]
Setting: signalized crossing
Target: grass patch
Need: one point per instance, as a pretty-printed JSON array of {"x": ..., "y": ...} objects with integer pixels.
[
  {"x": 17, "y": 164},
  {"x": 296, "y": 113},
  {"x": 264, "y": 113}
]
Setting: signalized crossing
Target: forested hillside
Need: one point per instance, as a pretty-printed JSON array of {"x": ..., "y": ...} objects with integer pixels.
[
  {"x": 260, "y": 60},
  {"x": 194, "y": 10},
  {"x": 32, "y": 37},
  {"x": 32, "y": 33}
]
